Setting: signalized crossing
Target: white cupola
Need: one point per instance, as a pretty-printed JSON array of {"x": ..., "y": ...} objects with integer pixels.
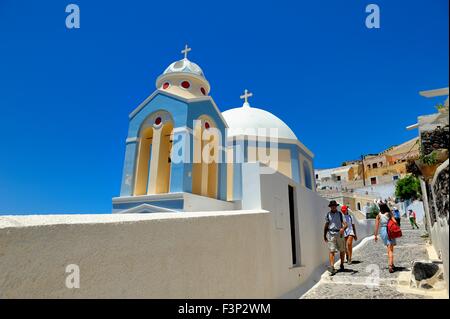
[{"x": 184, "y": 78}]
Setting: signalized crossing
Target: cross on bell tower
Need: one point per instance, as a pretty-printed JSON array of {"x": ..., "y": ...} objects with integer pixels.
[
  {"x": 245, "y": 97},
  {"x": 186, "y": 50}
]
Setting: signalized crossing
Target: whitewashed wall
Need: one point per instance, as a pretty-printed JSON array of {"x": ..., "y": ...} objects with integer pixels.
[
  {"x": 383, "y": 191},
  {"x": 270, "y": 192},
  {"x": 208, "y": 255},
  {"x": 310, "y": 209},
  {"x": 235, "y": 254}
]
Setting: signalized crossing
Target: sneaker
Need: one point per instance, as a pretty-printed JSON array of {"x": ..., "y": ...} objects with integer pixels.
[
  {"x": 349, "y": 262},
  {"x": 331, "y": 270},
  {"x": 341, "y": 268}
]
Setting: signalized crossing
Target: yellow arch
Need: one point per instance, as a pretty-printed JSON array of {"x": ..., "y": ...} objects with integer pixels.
[
  {"x": 143, "y": 161},
  {"x": 205, "y": 172},
  {"x": 165, "y": 147}
]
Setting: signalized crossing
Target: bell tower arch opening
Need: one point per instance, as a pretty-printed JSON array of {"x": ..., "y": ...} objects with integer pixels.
[
  {"x": 206, "y": 157},
  {"x": 152, "y": 173}
]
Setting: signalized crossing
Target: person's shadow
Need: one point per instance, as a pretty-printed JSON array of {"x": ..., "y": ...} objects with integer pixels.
[
  {"x": 401, "y": 268},
  {"x": 348, "y": 270}
]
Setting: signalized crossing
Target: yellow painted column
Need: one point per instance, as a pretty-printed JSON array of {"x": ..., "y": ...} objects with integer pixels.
[
  {"x": 204, "y": 170},
  {"x": 154, "y": 163},
  {"x": 197, "y": 157},
  {"x": 142, "y": 164},
  {"x": 165, "y": 146}
]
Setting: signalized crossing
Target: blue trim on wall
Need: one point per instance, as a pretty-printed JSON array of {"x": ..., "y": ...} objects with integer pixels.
[
  {"x": 177, "y": 109},
  {"x": 176, "y": 204},
  {"x": 307, "y": 171},
  {"x": 237, "y": 181},
  {"x": 295, "y": 164},
  {"x": 222, "y": 187},
  {"x": 126, "y": 188},
  {"x": 179, "y": 172},
  {"x": 239, "y": 156}
]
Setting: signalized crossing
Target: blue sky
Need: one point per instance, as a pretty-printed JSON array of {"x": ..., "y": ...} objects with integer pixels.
[{"x": 65, "y": 95}]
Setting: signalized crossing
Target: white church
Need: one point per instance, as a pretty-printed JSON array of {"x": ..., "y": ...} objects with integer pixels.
[
  {"x": 183, "y": 154},
  {"x": 212, "y": 205}
]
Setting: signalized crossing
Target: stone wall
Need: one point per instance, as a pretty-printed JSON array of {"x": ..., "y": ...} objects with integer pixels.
[
  {"x": 440, "y": 226},
  {"x": 434, "y": 135},
  {"x": 440, "y": 190},
  {"x": 435, "y": 139}
]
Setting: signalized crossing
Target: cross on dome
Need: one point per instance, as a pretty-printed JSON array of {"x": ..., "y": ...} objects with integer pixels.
[
  {"x": 245, "y": 97},
  {"x": 186, "y": 50}
]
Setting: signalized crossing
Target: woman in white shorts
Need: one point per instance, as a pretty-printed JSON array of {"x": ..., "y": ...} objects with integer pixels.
[{"x": 349, "y": 234}]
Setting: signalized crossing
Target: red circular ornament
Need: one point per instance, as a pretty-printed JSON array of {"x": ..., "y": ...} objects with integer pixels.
[
  {"x": 185, "y": 84},
  {"x": 206, "y": 125},
  {"x": 158, "y": 121},
  {"x": 203, "y": 91},
  {"x": 166, "y": 85}
]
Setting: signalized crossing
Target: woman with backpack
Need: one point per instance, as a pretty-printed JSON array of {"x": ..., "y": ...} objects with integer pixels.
[{"x": 389, "y": 232}]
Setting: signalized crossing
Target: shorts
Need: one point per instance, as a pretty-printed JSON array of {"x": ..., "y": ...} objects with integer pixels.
[{"x": 336, "y": 243}]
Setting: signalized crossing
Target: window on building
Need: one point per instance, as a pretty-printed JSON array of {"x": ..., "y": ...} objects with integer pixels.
[
  {"x": 374, "y": 165},
  {"x": 381, "y": 164},
  {"x": 307, "y": 173},
  {"x": 395, "y": 177},
  {"x": 359, "y": 205},
  {"x": 317, "y": 176},
  {"x": 373, "y": 180},
  {"x": 338, "y": 178},
  {"x": 293, "y": 224}
]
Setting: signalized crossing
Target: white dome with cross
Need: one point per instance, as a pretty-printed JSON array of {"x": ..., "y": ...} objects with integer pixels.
[
  {"x": 184, "y": 78},
  {"x": 247, "y": 117}
]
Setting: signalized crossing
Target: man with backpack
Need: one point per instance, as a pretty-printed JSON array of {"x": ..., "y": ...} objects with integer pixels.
[{"x": 333, "y": 235}]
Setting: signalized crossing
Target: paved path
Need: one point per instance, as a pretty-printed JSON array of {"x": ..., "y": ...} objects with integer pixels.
[{"x": 369, "y": 278}]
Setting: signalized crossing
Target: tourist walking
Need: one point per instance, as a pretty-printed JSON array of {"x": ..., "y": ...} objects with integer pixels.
[
  {"x": 333, "y": 235},
  {"x": 381, "y": 224},
  {"x": 397, "y": 215},
  {"x": 412, "y": 218},
  {"x": 349, "y": 234}
]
